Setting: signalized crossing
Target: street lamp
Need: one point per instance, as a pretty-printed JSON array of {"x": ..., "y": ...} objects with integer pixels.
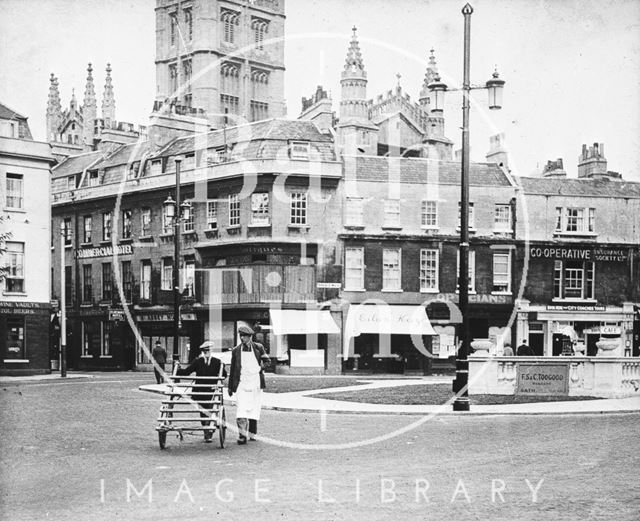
[
  {"x": 63, "y": 302},
  {"x": 494, "y": 86},
  {"x": 176, "y": 216}
]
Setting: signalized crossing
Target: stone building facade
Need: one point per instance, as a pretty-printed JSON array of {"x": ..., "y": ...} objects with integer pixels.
[
  {"x": 221, "y": 60},
  {"x": 25, "y": 227},
  {"x": 259, "y": 242},
  {"x": 579, "y": 246}
]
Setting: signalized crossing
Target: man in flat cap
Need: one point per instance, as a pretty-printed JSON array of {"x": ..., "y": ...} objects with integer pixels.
[
  {"x": 246, "y": 380},
  {"x": 204, "y": 365}
]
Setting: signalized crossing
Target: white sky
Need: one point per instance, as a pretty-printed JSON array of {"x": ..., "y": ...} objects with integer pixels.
[{"x": 572, "y": 67}]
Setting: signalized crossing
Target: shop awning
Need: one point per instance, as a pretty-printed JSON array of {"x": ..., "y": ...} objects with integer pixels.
[
  {"x": 385, "y": 319},
  {"x": 391, "y": 320},
  {"x": 302, "y": 321}
]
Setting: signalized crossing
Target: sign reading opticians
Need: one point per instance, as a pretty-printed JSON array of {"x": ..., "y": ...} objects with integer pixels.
[
  {"x": 107, "y": 251},
  {"x": 542, "y": 379},
  {"x": 584, "y": 254}
]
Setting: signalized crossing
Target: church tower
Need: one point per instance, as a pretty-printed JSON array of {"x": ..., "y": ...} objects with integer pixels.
[
  {"x": 108, "y": 99},
  {"x": 89, "y": 109},
  {"x": 54, "y": 110},
  {"x": 215, "y": 60},
  {"x": 429, "y": 77},
  {"x": 356, "y": 133}
]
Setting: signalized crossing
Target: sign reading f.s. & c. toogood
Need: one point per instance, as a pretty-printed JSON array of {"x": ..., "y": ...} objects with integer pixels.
[{"x": 542, "y": 379}]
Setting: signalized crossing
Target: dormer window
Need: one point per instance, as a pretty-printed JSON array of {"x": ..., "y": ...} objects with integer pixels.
[
  {"x": 93, "y": 178},
  {"x": 299, "y": 150}
]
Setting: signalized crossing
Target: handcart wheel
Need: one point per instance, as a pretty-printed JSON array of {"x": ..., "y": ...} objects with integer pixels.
[
  {"x": 162, "y": 438},
  {"x": 222, "y": 427}
]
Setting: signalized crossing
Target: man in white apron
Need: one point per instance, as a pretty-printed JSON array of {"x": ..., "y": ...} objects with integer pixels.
[{"x": 246, "y": 380}]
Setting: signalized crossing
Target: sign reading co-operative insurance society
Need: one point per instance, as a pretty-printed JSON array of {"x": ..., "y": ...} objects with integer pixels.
[
  {"x": 579, "y": 253},
  {"x": 542, "y": 379},
  {"x": 107, "y": 251}
]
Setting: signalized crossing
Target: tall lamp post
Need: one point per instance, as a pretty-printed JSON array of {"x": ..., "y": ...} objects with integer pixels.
[
  {"x": 438, "y": 88},
  {"x": 63, "y": 303},
  {"x": 176, "y": 212}
]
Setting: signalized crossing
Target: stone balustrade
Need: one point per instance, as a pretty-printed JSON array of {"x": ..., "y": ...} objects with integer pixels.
[{"x": 610, "y": 377}]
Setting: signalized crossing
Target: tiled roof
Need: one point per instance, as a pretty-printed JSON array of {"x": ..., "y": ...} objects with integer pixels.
[
  {"x": 579, "y": 187},
  {"x": 75, "y": 164},
  {"x": 417, "y": 170},
  {"x": 125, "y": 154},
  {"x": 7, "y": 113},
  {"x": 271, "y": 129}
]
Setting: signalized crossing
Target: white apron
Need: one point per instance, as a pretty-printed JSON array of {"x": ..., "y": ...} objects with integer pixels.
[{"x": 249, "y": 394}]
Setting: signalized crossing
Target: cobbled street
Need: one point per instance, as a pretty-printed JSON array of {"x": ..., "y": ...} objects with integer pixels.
[{"x": 87, "y": 450}]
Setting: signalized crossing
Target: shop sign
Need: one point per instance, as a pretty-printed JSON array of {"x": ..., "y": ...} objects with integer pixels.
[
  {"x": 610, "y": 330},
  {"x": 575, "y": 307},
  {"x": 164, "y": 317},
  {"x": 542, "y": 379},
  {"x": 116, "y": 315},
  {"x": 476, "y": 298},
  {"x": 578, "y": 253},
  {"x": 107, "y": 251},
  {"x": 328, "y": 285},
  {"x": 23, "y": 308}
]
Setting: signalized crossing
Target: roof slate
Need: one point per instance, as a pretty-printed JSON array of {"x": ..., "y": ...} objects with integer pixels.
[
  {"x": 579, "y": 187},
  {"x": 7, "y": 113},
  {"x": 416, "y": 170},
  {"x": 272, "y": 129},
  {"x": 75, "y": 164}
]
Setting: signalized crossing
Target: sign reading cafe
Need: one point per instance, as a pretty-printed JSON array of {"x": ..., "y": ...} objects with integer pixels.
[{"x": 106, "y": 251}]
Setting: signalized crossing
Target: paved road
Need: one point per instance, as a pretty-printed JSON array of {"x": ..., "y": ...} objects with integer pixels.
[{"x": 86, "y": 450}]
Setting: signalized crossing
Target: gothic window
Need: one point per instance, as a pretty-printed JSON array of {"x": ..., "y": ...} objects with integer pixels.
[
  {"x": 173, "y": 28},
  {"x": 259, "y": 84},
  {"x": 230, "y": 78},
  {"x": 260, "y": 28},
  {"x": 229, "y": 105},
  {"x": 173, "y": 78},
  {"x": 187, "y": 69},
  {"x": 188, "y": 22},
  {"x": 259, "y": 110},
  {"x": 229, "y": 20}
]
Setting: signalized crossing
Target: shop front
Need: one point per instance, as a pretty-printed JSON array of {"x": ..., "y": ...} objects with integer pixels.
[
  {"x": 378, "y": 337},
  {"x": 572, "y": 329},
  {"x": 24, "y": 334},
  {"x": 156, "y": 325},
  {"x": 105, "y": 340},
  {"x": 306, "y": 340}
]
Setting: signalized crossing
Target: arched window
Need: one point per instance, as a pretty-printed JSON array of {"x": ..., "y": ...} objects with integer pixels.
[
  {"x": 260, "y": 28},
  {"x": 229, "y": 20}
]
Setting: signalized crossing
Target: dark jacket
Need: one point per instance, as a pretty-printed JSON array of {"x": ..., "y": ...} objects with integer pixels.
[
  {"x": 234, "y": 373},
  {"x": 159, "y": 354},
  {"x": 525, "y": 350},
  {"x": 199, "y": 367}
]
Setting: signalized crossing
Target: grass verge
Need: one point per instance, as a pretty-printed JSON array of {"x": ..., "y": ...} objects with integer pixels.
[{"x": 435, "y": 394}]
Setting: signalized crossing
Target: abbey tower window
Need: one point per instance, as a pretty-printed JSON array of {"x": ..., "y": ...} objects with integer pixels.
[{"x": 229, "y": 20}]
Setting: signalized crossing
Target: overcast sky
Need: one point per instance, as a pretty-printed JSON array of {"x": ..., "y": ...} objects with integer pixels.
[{"x": 572, "y": 67}]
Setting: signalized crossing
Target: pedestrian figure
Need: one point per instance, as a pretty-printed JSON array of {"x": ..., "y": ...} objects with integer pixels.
[
  {"x": 204, "y": 365},
  {"x": 159, "y": 355},
  {"x": 506, "y": 350},
  {"x": 246, "y": 379},
  {"x": 525, "y": 350}
]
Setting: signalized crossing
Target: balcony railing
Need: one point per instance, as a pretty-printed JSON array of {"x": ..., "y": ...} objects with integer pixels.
[{"x": 260, "y": 283}]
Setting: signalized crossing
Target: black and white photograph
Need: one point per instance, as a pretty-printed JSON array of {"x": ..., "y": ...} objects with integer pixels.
[{"x": 319, "y": 260}]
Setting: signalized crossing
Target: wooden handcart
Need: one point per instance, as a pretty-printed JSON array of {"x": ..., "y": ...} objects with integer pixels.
[{"x": 184, "y": 402}]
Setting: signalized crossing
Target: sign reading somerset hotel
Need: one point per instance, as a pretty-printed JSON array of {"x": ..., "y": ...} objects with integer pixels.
[
  {"x": 589, "y": 254},
  {"x": 106, "y": 251}
]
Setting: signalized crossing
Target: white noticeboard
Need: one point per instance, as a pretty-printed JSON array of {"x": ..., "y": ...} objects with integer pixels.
[{"x": 307, "y": 358}]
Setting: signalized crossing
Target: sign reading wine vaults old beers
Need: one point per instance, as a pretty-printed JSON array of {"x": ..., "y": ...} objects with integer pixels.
[{"x": 542, "y": 379}]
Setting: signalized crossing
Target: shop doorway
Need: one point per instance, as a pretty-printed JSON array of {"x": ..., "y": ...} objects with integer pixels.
[{"x": 536, "y": 341}]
